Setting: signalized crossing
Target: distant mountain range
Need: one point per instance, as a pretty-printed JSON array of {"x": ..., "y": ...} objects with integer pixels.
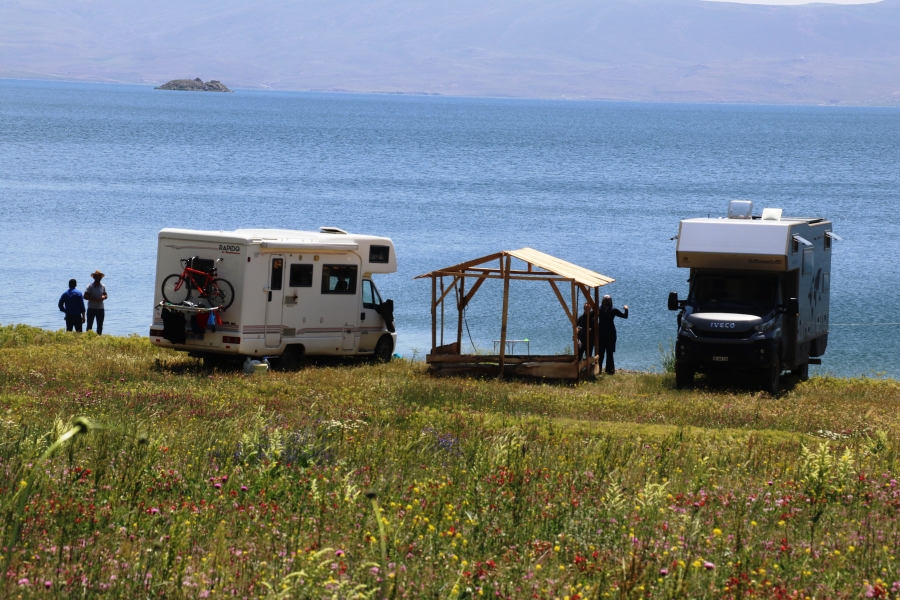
[{"x": 657, "y": 50}]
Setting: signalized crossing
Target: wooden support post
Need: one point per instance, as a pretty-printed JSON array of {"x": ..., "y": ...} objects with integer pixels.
[
  {"x": 442, "y": 310},
  {"x": 460, "y": 297},
  {"x": 575, "y": 323},
  {"x": 505, "y": 312},
  {"x": 433, "y": 313},
  {"x": 596, "y": 324}
]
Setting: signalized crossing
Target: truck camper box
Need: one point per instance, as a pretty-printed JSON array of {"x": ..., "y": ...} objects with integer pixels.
[
  {"x": 294, "y": 293},
  {"x": 759, "y": 294}
]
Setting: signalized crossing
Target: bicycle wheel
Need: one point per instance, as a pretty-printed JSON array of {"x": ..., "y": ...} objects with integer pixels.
[
  {"x": 219, "y": 294},
  {"x": 175, "y": 290}
]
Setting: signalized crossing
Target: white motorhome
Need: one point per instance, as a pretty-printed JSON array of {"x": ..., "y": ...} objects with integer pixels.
[
  {"x": 759, "y": 294},
  {"x": 294, "y": 293}
]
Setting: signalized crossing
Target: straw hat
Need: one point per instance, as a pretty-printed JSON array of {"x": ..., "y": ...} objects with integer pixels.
[{"x": 96, "y": 273}]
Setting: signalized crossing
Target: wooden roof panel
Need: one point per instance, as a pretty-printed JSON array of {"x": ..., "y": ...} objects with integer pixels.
[{"x": 549, "y": 263}]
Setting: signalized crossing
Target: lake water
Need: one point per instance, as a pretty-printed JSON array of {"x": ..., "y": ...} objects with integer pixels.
[{"x": 90, "y": 173}]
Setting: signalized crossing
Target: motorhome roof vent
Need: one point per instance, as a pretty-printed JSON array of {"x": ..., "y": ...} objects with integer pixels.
[
  {"x": 771, "y": 214},
  {"x": 740, "y": 209},
  {"x": 331, "y": 230}
]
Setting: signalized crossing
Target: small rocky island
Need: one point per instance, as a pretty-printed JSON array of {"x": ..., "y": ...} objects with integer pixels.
[{"x": 194, "y": 85}]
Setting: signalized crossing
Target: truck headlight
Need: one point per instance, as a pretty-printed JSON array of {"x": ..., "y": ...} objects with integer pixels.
[
  {"x": 763, "y": 327},
  {"x": 686, "y": 325}
]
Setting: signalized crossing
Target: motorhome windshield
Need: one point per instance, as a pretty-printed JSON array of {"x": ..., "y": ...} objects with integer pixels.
[{"x": 748, "y": 294}]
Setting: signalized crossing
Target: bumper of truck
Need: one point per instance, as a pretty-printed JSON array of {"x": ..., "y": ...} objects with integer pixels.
[{"x": 713, "y": 354}]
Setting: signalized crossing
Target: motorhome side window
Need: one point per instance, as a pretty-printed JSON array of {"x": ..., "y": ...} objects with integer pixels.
[
  {"x": 339, "y": 279},
  {"x": 301, "y": 276},
  {"x": 379, "y": 254},
  {"x": 277, "y": 273},
  {"x": 371, "y": 299}
]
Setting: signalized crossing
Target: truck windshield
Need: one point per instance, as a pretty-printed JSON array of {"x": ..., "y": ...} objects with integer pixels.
[{"x": 749, "y": 294}]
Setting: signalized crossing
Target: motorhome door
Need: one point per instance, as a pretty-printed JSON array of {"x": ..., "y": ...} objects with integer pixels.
[
  {"x": 371, "y": 324},
  {"x": 274, "y": 301}
]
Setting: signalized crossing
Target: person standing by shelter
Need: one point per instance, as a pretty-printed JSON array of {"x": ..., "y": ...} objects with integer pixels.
[
  {"x": 95, "y": 294},
  {"x": 586, "y": 336},
  {"x": 607, "y": 330},
  {"x": 72, "y": 304}
]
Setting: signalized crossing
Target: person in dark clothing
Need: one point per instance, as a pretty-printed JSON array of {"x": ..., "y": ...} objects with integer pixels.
[
  {"x": 72, "y": 304},
  {"x": 585, "y": 331},
  {"x": 607, "y": 331}
]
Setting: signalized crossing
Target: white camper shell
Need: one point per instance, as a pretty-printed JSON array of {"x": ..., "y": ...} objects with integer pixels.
[
  {"x": 794, "y": 245},
  {"x": 295, "y": 292}
]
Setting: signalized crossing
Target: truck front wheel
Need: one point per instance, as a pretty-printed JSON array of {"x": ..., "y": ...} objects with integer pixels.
[
  {"x": 684, "y": 376},
  {"x": 384, "y": 349},
  {"x": 771, "y": 378}
]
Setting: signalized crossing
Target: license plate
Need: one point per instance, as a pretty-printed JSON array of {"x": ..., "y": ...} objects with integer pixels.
[
  {"x": 194, "y": 336},
  {"x": 720, "y": 358}
]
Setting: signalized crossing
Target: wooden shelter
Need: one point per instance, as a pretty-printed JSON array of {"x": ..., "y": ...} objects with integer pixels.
[{"x": 574, "y": 281}]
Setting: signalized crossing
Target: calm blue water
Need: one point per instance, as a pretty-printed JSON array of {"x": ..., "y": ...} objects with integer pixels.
[{"x": 90, "y": 173}]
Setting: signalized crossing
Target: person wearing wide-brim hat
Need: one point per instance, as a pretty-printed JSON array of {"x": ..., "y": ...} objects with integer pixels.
[{"x": 95, "y": 294}]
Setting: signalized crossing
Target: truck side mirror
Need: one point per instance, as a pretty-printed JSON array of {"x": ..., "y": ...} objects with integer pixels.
[
  {"x": 673, "y": 301},
  {"x": 793, "y": 307}
]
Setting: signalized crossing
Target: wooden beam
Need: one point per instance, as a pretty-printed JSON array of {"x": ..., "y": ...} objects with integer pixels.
[
  {"x": 596, "y": 324},
  {"x": 536, "y": 276},
  {"x": 445, "y": 292},
  {"x": 514, "y": 271},
  {"x": 575, "y": 323},
  {"x": 587, "y": 296},
  {"x": 434, "y": 312},
  {"x": 505, "y": 314},
  {"x": 473, "y": 262},
  {"x": 441, "y": 302},
  {"x": 562, "y": 301},
  {"x": 510, "y": 359},
  {"x": 460, "y": 297},
  {"x": 471, "y": 293}
]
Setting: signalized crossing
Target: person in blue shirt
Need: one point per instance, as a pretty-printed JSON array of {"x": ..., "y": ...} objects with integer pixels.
[{"x": 72, "y": 304}]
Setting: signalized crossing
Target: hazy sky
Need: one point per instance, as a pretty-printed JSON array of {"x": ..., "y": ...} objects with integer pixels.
[{"x": 797, "y": 2}]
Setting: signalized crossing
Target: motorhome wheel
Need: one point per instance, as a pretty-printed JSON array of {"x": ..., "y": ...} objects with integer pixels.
[
  {"x": 801, "y": 372},
  {"x": 291, "y": 359},
  {"x": 384, "y": 349},
  {"x": 772, "y": 378},
  {"x": 684, "y": 376}
]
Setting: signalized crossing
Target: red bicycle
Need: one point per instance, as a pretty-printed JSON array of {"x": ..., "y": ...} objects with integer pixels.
[{"x": 198, "y": 274}]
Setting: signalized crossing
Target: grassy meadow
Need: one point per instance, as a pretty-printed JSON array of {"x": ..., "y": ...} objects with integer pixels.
[{"x": 127, "y": 471}]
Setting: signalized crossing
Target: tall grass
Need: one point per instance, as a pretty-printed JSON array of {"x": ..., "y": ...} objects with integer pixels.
[{"x": 358, "y": 480}]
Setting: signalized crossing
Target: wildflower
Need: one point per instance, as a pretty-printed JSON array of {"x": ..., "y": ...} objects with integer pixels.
[
  {"x": 218, "y": 486},
  {"x": 717, "y": 532},
  {"x": 708, "y": 565},
  {"x": 243, "y": 488},
  {"x": 338, "y": 552},
  {"x": 24, "y": 581},
  {"x": 48, "y": 584},
  {"x": 663, "y": 572}
]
